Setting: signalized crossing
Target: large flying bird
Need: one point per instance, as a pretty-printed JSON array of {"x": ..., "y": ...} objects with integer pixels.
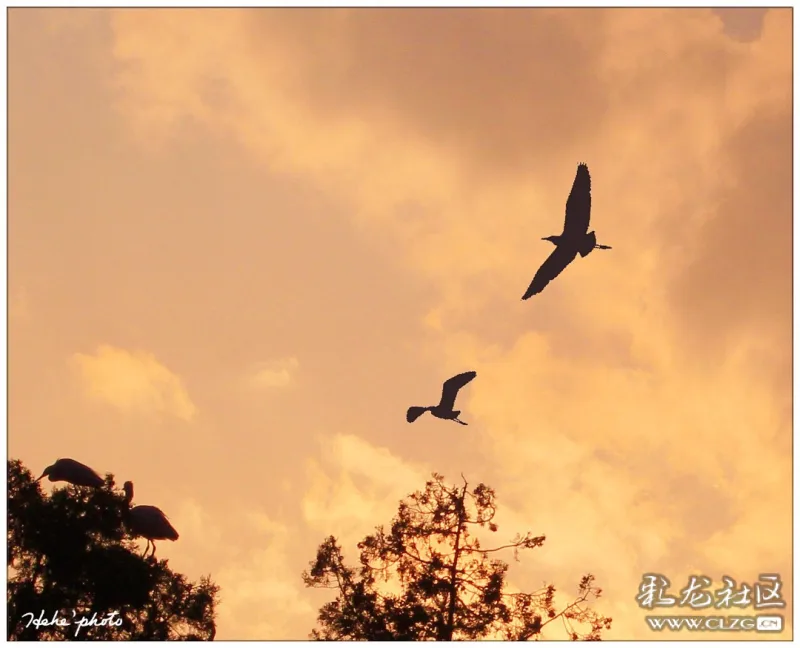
[
  {"x": 574, "y": 240},
  {"x": 444, "y": 410}
]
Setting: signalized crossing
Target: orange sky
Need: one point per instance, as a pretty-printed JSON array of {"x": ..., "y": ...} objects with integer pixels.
[{"x": 242, "y": 243}]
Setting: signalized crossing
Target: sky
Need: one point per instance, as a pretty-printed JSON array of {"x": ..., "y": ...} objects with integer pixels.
[{"x": 243, "y": 242}]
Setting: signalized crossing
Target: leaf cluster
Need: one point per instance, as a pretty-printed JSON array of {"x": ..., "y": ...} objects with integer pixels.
[{"x": 427, "y": 577}]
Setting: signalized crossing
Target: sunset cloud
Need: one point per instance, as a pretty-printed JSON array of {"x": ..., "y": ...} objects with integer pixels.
[
  {"x": 277, "y": 373},
  {"x": 263, "y": 594},
  {"x": 389, "y": 203},
  {"x": 580, "y": 397},
  {"x": 355, "y": 485},
  {"x": 133, "y": 382}
]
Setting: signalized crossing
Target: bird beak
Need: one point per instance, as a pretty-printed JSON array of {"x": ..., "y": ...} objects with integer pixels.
[
  {"x": 43, "y": 474},
  {"x": 544, "y": 239}
]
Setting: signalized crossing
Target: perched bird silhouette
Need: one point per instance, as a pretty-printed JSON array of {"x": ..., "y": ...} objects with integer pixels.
[
  {"x": 147, "y": 521},
  {"x": 444, "y": 410},
  {"x": 73, "y": 472},
  {"x": 575, "y": 239}
]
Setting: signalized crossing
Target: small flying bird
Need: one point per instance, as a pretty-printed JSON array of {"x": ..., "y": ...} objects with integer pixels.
[
  {"x": 444, "y": 410},
  {"x": 574, "y": 240},
  {"x": 148, "y": 521},
  {"x": 73, "y": 472}
]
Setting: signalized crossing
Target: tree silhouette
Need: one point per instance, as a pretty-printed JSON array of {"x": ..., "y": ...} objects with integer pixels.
[
  {"x": 71, "y": 559},
  {"x": 450, "y": 588}
]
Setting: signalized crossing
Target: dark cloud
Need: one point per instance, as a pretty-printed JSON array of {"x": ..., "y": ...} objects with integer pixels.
[
  {"x": 742, "y": 23},
  {"x": 498, "y": 85},
  {"x": 741, "y": 272}
]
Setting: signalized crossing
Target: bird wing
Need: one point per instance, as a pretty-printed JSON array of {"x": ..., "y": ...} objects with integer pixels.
[
  {"x": 579, "y": 203},
  {"x": 80, "y": 474},
  {"x": 151, "y": 522},
  {"x": 559, "y": 259},
  {"x": 170, "y": 533},
  {"x": 451, "y": 386}
]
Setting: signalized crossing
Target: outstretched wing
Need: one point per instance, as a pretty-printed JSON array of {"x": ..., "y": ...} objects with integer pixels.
[
  {"x": 414, "y": 412},
  {"x": 452, "y": 385},
  {"x": 579, "y": 203},
  {"x": 559, "y": 259}
]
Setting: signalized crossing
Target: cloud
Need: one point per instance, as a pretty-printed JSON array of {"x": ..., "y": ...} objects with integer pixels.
[
  {"x": 430, "y": 140},
  {"x": 133, "y": 382},
  {"x": 263, "y": 580},
  {"x": 277, "y": 373},
  {"x": 649, "y": 458},
  {"x": 636, "y": 412},
  {"x": 261, "y": 591},
  {"x": 356, "y": 485}
]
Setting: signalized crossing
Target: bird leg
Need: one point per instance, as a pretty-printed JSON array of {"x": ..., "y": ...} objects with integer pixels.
[
  {"x": 460, "y": 421},
  {"x": 153, "y": 554},
  {"x": 602, "y": 247},
  {"x": 146, "y": 548}
]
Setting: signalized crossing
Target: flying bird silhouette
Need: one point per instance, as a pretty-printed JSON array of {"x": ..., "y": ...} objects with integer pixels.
[
  {"x": 574, "y": 240},
  {"x": 147, "y": 521},
  {"x": 444, "y": 410},
  {"x": 72, "y": 472}
]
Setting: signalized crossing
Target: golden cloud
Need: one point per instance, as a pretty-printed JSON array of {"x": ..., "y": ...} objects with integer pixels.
[
  {"x": 133, "y": 382},
  {"x": 636, "y": 411},
  {"x": 276, "y": 373},
  {"x": 262, "y": 592},
  {"x": 354, "y": 485}
]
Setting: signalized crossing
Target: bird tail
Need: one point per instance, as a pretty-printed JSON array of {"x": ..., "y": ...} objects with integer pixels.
[
  {"x": 587, "y": 244},
  {"x": 415, "y": 412},
  {"x": 95, "y": 481}
]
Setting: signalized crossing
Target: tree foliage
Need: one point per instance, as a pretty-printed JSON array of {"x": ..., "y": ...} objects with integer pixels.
[
  {"x": 71, "y": 559},
  {"x": 450, "y": 587}
]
